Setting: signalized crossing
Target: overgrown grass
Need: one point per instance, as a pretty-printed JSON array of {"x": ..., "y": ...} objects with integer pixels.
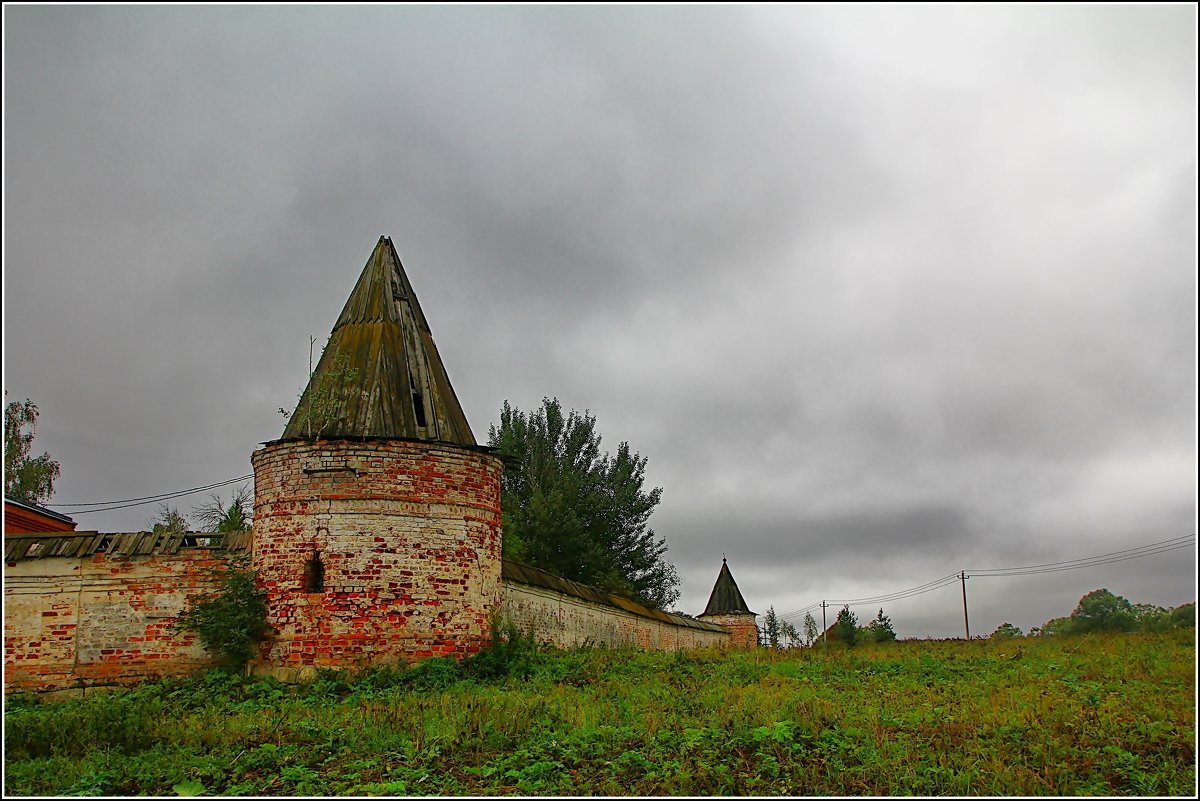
[{"x": 1096, "y": 715}]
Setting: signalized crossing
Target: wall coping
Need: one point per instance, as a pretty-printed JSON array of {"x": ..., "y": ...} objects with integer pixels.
[{"x": 485, "y": 449}]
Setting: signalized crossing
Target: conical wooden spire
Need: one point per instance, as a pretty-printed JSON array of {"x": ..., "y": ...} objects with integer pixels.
[
  {"x": 380, "y": 374},
  {"x": 726, "y": 598}
]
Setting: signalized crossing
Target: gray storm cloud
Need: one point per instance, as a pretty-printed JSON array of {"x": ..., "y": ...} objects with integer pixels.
[{"x": 881, "y": 293}]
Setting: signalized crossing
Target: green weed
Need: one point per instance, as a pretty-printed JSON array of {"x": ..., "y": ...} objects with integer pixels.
[{"x": 1101, "y": 715}]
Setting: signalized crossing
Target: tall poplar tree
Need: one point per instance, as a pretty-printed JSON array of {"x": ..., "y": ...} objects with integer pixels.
[{"x": 810, "y": 628}]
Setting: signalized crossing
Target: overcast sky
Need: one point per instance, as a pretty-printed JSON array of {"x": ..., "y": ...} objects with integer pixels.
[{"x": 881, "y": 293}]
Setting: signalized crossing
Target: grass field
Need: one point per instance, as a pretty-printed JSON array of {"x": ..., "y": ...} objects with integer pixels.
[{"x": 1093, "y": 715}]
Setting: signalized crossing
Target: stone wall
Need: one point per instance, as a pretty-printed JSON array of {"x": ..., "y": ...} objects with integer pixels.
[
  {"x": 96, "y": 620},
  {"x": 566, "y": 621},
  {"x": 407, "y": 539}
]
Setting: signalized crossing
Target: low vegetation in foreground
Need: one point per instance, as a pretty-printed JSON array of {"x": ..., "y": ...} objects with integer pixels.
[{"x": 1105, "y": 714}]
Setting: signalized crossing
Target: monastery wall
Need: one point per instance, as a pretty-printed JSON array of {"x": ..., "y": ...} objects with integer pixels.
[
  {"x": 74, "y": 622},
  {"x": 566, "y": 614},
  {"x": 106, "y": 617}
]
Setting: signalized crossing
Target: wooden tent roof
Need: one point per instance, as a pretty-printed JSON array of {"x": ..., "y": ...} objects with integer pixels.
[
  {"x": 726, "y": 598},
  {"x": 380, "y": 374}
]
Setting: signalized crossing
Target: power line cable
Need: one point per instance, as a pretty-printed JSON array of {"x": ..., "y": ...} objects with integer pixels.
[
  {"x": 926, "y": 587},
  {"x": 1163, "y": 546},
  {"x": 799, "y": 612},
  {"x": 106, "y": 506},
  {"x": 160, "y": 495},
  {"x": 920, "y": 589},
  {"x": 1095, "y": 563},
  {"x": 1070, "y": 564},
  {"x": 898, "y": 596}
]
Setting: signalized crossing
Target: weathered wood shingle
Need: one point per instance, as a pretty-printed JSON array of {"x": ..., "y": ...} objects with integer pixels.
[
  {"x": 46, "y": 544},
  {"x": 380, "y": 374}
]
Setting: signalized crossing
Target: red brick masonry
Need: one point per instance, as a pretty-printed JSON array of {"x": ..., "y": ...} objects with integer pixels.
[
  {"x": 78, "y": 622},
  {"x": 407, "y": 534}
]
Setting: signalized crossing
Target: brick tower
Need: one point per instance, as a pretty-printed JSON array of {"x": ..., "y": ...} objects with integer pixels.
[
  {"x": 727, "y": 607},
  {"x": 376, "y": 514}
]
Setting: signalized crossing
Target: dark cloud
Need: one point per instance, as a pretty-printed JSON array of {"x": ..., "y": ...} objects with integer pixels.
[{"x": 881, "y": 294}]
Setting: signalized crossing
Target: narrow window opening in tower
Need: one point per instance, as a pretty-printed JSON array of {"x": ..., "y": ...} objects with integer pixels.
[
  {"x": 314, "y": 574},
  {"x": 419, "y": 409}
]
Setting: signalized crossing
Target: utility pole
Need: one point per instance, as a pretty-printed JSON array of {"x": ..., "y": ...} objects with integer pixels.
[
  {"x": 824, "y": 625},
  {"x": 962, "y": 575}
]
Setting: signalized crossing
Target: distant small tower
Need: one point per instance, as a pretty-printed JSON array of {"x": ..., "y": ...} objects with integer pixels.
[
  {"x": 377, "y": 516},
  {"x": 726, "y": 607}
]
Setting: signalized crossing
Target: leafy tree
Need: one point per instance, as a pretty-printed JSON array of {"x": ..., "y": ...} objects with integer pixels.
[
  {"x": 577, "y": 512},
  {"x": 1057, "y": 625},
  {"x": 1006, "y": 631},
  {"x": 216, "y": 517},
  {"x": 1184, "y": 616},
  {"x": 846, "y": 626},
  {"x": 791, "y": 638},
  {"x": 1151, "y": 618},
  {"x": 770, "y": 629},
  {"x": 880, "y": 629},
  {"x": 26, "y": 478},
  {"x": 810, "y": 628},
  {"x": 1100, "y": 610}
]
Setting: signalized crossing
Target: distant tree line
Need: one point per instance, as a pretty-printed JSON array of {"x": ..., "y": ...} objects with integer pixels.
[
  {"x": 1098, "y": 611},
  {"x": 777, "y": 633}
]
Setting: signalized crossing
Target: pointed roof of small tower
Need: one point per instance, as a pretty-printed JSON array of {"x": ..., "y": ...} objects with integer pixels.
[
  {"x": 726, "y": 598},
  {"x": 380, "y": 374}
]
